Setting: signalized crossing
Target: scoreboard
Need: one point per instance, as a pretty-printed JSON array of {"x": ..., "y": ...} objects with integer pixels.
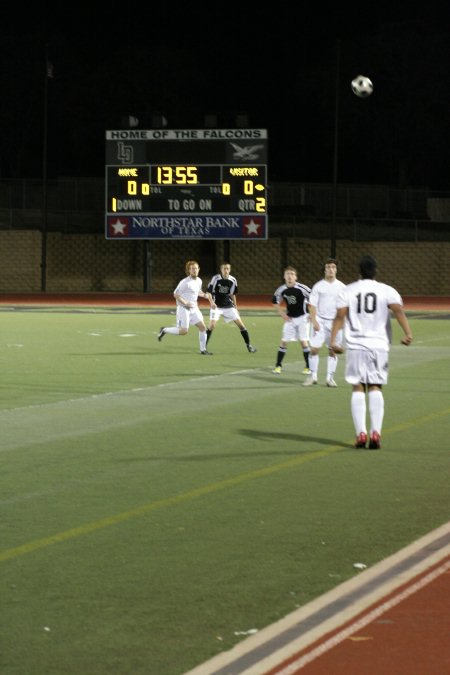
[{"x": 186, "y": 184}]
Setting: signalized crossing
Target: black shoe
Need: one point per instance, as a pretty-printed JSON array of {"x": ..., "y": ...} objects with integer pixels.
[
  {"x": 161, "y": 333},
  {"x": 251, "y": 349},
  {"x": 206, "y": 353}
]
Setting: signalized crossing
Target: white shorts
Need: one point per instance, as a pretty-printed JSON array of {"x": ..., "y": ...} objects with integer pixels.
[
  {"x": 228, "y": 313},
  {"x": 366, "y": 366},
  {"x": 322, "y": 336},
  {"x": 188, "y": 316},
  {"x": 296, "y": 329}
]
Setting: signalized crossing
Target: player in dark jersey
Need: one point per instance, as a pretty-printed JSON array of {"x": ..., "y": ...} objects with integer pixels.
[
  {"x": 223, "y": 288},
  {"x": 291, "y": 300}
]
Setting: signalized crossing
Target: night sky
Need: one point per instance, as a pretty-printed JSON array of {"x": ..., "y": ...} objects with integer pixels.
[{"x": 227, "y": 59}]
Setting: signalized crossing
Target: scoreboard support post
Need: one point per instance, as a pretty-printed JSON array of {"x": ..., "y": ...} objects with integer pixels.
[{"x": 148, "y": 264}]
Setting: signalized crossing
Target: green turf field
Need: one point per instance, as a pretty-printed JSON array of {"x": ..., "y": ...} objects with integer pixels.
[{"x": 156, "y": 504}]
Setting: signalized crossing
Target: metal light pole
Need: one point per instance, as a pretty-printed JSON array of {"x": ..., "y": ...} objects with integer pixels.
[
  {"x": 48, "y": 73},
  {"x": 336, "y": 150}
]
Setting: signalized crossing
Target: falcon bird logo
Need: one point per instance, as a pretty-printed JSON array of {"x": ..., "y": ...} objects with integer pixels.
[{"x": 247, "y": 153}]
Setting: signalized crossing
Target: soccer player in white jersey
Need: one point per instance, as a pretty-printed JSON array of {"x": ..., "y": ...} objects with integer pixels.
[
  {"x": 322, "y": 310},
  {"x": 223, "y": 288},
  {"x": 188, "y": 313},
  {"x": 364, "y": 309}
]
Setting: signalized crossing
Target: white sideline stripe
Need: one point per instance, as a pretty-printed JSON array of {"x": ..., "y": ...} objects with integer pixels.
[
  {"x": 123, "y": 392},
  {"x": 291, "y": 366},
  {"x": 292, "y": 634},
  {"x": 47, "y": 422}
]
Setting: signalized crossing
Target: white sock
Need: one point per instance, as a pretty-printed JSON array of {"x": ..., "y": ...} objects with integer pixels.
[
  {"x": 314, "y": 364},
  {"x": 331, "y": 366},
  {"x": 202, "y": 339},
  {"x": 358, "y": 405},
  {"x": 376, "y": 410},
  {"x": 173, "y": 330}
]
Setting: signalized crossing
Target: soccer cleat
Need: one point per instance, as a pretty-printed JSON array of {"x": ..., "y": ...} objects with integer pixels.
[
  {"x": 361, "y": 440},
  {"x": 306, "y": 371},
  {"x": 161, "y": 333},
  {"x": 277, "y": 370},
  {"x": 205, "y": 352},
  {"x": 309, "y": 381},
  {"x": 375, "y": 441},
  {"x": 331, "y": 382},
  {"x": 251, "y": 349}
]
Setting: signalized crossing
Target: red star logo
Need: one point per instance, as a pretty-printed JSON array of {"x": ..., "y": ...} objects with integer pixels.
[
  {"x": 252, "y": 227},
  {"x": 118, "y": 227}
]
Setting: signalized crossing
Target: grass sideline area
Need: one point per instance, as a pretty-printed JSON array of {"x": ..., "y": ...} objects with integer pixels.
[{"x": 157, "y": 505}]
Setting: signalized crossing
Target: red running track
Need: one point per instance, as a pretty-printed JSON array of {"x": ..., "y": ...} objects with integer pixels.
[
  {"x": 418, "y": 303},
  {"x": 391, "y": 619},
  {"x": 408, "y": 633}
]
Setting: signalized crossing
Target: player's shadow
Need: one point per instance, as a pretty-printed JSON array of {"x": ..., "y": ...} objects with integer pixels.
[
  {"x": 282, "y": 436},
  {"x": 255, "y": 435}
]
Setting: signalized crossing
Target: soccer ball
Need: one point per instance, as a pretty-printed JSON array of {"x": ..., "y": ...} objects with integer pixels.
[{"x": 362, "y": 86}]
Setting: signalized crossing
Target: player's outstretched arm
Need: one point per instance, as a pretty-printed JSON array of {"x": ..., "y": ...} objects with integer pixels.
[{"x": 400, "y": 315}]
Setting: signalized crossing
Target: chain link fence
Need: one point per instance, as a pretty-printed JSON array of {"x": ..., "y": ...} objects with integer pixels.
[{"x": 363, "y": 212}]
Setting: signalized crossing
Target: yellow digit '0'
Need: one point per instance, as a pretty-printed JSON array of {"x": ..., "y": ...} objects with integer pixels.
[
  {"x": 248, "y": 187},
  {"x": 226, "y": 189},
  {"x": 132, "y": 188},
  {"x": 261, "y": 204}
]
